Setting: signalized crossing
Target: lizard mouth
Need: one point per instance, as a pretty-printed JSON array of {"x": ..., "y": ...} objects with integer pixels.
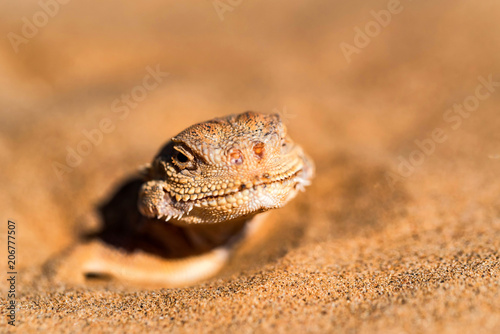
[
  {"x": 219, "y": 201},
  {"x": 216, "y": 190},
  {"x": 256, "y": 196},
  {"x": 247, "y": 188}
]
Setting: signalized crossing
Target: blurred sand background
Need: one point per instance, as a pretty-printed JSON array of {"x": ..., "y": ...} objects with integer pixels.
[{"x": 355, "y": 252}]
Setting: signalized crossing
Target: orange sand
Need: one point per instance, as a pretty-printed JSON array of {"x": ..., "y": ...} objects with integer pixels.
[{"x": 356, "y": 252}]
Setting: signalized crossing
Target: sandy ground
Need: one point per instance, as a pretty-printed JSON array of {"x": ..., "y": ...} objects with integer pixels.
[{"x": 400, "y": 230}]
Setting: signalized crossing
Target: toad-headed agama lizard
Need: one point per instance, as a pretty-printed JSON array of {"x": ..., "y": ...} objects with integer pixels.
[{"x": 178, "y": 222}]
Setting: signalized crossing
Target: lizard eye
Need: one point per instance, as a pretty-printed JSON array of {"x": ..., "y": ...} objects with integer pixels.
[{"x": 182, "y": 158}]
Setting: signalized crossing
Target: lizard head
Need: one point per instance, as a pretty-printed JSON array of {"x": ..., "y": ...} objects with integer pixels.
[{"x": 225, "y": 169}]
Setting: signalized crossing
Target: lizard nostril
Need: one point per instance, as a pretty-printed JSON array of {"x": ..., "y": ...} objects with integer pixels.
[
  {"x": 258, "y": 149},
  {"x": 235, "y": 156}
]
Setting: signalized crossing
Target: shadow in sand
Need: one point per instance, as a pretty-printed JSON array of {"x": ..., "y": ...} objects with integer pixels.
[{"x": 122, "y": 226}]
